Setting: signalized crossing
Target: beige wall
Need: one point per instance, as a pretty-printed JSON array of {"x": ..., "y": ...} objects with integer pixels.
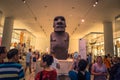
[
  {"x": 73, "y": 45},
  {"x": 42, "y": 44}
]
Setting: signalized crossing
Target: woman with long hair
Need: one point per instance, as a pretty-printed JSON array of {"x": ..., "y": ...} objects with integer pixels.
[{"x": 99, "y": 69}]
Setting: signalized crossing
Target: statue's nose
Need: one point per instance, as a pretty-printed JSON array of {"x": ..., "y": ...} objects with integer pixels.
[{"x": 59, "y": 23}]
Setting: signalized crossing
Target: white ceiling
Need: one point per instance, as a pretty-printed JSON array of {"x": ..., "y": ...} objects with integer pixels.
[{"x": 38, "y": 15}]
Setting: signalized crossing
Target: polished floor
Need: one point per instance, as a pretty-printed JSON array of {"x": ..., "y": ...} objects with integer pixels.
[{"x": 31, "y": 76}]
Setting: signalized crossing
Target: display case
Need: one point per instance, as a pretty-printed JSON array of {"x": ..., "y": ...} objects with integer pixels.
[
  {"x": 95, "y": 43},
  {"x": 117, "y": 43},
  {"x": 23, "y": 36},
  {"x": 117, "y": 36}
]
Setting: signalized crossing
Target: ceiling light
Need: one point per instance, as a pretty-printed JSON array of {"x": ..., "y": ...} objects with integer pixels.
[
  {"x": 94, "y": 5},
  {"x": 24, "y": 1},
  {"x": 96, "y": 2},
  {"x": 82, "y": 20}
]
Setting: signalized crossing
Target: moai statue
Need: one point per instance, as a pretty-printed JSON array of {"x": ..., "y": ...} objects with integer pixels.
[{"x": 59, "y": 39}]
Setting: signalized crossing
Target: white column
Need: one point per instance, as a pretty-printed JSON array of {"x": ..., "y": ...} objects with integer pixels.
[
  {"x": 108, "y": 38},
  {"x": 7, "y": 32}
]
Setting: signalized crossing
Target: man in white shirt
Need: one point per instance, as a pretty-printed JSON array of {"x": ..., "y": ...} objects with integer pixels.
[{"x": 28, "y": 60}]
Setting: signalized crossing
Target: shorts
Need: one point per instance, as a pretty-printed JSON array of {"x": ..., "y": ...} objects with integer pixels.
[
  {"x": 28, "y": 63},
  {"x": 34, "y": 59}
]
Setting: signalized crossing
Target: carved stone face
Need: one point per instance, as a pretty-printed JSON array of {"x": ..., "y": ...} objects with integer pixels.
[{"x": 59, "y": 24}]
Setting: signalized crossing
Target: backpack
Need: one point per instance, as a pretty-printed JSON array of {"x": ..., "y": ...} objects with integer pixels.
[
  {"x": 85, "y": 76},
  {"x": 34, "y": 59}
]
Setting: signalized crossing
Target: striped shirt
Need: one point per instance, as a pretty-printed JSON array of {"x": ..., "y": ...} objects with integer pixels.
[{"x": 11, "y": 71}]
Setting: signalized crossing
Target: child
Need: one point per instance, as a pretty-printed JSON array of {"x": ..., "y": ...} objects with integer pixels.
[{"x": 48, "y": 73}]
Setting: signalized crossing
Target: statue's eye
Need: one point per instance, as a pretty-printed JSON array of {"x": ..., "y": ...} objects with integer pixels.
[
  {"x": 62, "y": 19},
  {"x": 56, "y": 19}
]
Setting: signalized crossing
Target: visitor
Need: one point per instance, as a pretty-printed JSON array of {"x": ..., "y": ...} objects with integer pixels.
[
  {"x": 107, "y": 63},
  {"x": 115, "y": 70},
  {"x": 74, "y": 68},
  {"x": 48, "y": 73},
  {"x": 12, "y": 70},
  {"x": 99, "y": 70},
  {"x": 83, "y": 74},
  {"x": 28, "y": 60},
  {"x": 3, "y": 53},
  {"x": 34, "y": 61}
]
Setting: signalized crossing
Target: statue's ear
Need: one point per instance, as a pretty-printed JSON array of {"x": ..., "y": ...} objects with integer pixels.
[
  {"x": 65, "y": 24},
  {"x": 53, "y": 24}
]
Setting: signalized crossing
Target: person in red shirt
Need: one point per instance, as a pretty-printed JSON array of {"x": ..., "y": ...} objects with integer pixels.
[{"x": 48, "y": 73}]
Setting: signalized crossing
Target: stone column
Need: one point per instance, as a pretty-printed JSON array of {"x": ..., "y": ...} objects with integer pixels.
[
  {"x": 108, "y": 38},
  {"x": 7, "y": 32},
  {"x": 0, "y": 17}
]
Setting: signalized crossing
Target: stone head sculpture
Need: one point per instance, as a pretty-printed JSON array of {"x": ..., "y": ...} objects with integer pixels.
[
  {"x": 59, "y": 24},
  {"x": 59, "y": 39}
]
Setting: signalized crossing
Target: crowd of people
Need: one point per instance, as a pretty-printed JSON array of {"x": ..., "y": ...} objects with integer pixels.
[
  {"x": 12, "y": 69},
  {"x": 102, "y": 68}
]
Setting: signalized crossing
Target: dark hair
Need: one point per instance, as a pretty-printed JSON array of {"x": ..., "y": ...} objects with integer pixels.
[
  {"x": 30, "y": 49},
  {"x": 82, "y": 65},
  {"x": 105, "y": 56},
  {"x": 48, "y": 59},
  {"x": 11, "y": 53},
  {"x": 2, "y": 49}
]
